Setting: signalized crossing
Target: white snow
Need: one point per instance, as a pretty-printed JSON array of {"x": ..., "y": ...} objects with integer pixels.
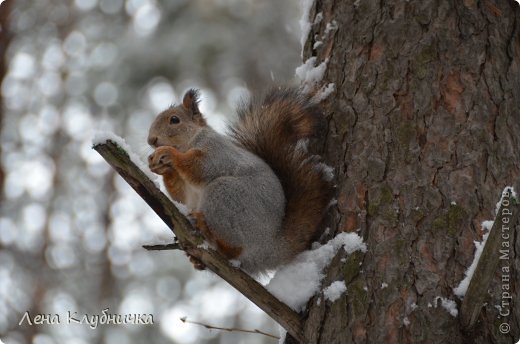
[
  {"x": 486, "y": 226},
  {"x": 406, "y": 321},
  {"x": 316, "y": 45},
  {"x": 461, "y": 289},
  {"x": 449, "y": 305},
  {"x": 384, "y": 285},
  {"x": 101, "y": 137},
  {"x": 298, "y": 281},
  {"x": 332, "y": 26},
  {"x": 183, "y": 209},
  {"x": 326, "y": 232},
  {"x": 318, "y": 18},
  {"x": 310, "y": 74},
  {"x": 305, "y": 24},
  {"x": 332, "y": 203},
  {"x": 283, "y": 334},
  {"x": 235, "y": 263},
  {"x": 504, "y": 193},
  {"x": 324, "y": 92},
  {"x": 334, "y": 291},
  {"x": 205, "y": 245}
]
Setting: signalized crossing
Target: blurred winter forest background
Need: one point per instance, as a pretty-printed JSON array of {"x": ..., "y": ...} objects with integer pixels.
[{"x": 71, "y": 230}]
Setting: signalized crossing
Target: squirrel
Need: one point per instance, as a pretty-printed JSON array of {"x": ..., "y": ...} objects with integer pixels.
[{"x": 258, "y": 196}]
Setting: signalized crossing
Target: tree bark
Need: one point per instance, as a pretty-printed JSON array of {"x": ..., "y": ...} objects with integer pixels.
[
  {"x": 424, "y": 134},
  {"x": 5, "y": 37}
]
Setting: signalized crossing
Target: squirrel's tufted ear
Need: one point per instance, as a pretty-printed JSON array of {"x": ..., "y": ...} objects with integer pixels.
[{"x": 190, "y": 101}]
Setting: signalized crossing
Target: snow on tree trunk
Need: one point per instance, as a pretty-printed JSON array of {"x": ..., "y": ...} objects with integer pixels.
[{"x": 424, "y": 134}]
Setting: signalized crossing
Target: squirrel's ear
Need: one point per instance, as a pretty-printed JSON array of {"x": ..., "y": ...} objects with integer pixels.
[{"x": 190, "y": 101}]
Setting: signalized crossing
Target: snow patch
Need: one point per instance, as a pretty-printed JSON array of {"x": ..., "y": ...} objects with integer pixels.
[
  {"x": 183, "y": 209},
  {"x": 235, "y": 263},
  {"x": 449, "y": 305},
  {"x": 332, "y": 203},
  {"x": 316, "y": 45},
  {"x": 406, "y": 321},
  {"x": 309, "y": 74},
  {"x": 487, "y": 225},
  {"x": 305, "y": 24},
  {"x": 462, "y": 288},
  {"x": 332, "y": 26},
  {"x": 283, "y": 334},
  {"x": 506, "y": 190},
  {"x": 318, "y": 18},
  {"x": 324, "y": 92},
  {"x": 334, "y": 291},
  {"x": 102, "y": 137},
  {"x": 296, "y": 282},
  {"x": 384, "y": 285},
  {"x": 204, "y": 245}
]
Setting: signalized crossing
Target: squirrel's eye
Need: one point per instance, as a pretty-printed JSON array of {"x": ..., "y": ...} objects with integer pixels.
[{"x": 174, "y": 120}]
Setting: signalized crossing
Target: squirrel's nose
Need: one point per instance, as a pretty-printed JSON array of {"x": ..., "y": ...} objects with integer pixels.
[{"x": 152, "y": 140}]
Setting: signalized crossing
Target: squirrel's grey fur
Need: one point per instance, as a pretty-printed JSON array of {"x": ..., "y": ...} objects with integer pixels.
[{"x": 245, "y": 216}]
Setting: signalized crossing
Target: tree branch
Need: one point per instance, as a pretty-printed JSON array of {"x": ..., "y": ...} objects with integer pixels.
[
  {"x": 163, "y": 247},
  {"x": 229, "y": 329},
  {"x": 191, "y": 241},
  {"x": 486, "y": 267}
]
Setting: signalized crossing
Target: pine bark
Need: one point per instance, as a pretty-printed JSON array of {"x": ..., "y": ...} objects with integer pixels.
[{"x": 424, "y": 134}]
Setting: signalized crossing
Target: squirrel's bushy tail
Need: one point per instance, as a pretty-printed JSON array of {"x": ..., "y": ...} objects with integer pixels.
[{"x": 277, "y": 128}]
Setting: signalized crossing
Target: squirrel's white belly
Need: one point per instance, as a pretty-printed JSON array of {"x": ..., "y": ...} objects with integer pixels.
[{"x": 193, "y": 195}]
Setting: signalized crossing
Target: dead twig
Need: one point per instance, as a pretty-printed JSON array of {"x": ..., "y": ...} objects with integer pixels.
[
  {"x": 229, "y": 329},
  {"x": 161, "y": 247}
]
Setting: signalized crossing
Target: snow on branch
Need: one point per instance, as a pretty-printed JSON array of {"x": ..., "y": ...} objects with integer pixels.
[
  {"x": 191, "y": 241},
  {"x": 497, "y": 246}
]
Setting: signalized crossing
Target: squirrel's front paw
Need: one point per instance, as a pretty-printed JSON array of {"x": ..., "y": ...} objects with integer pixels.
[{"x": 160, "y": 161}]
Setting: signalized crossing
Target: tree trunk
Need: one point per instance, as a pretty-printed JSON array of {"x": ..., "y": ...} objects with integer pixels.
[
  {"x": 424, "y": 134},
  {"x": 5, "y": 36}
]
